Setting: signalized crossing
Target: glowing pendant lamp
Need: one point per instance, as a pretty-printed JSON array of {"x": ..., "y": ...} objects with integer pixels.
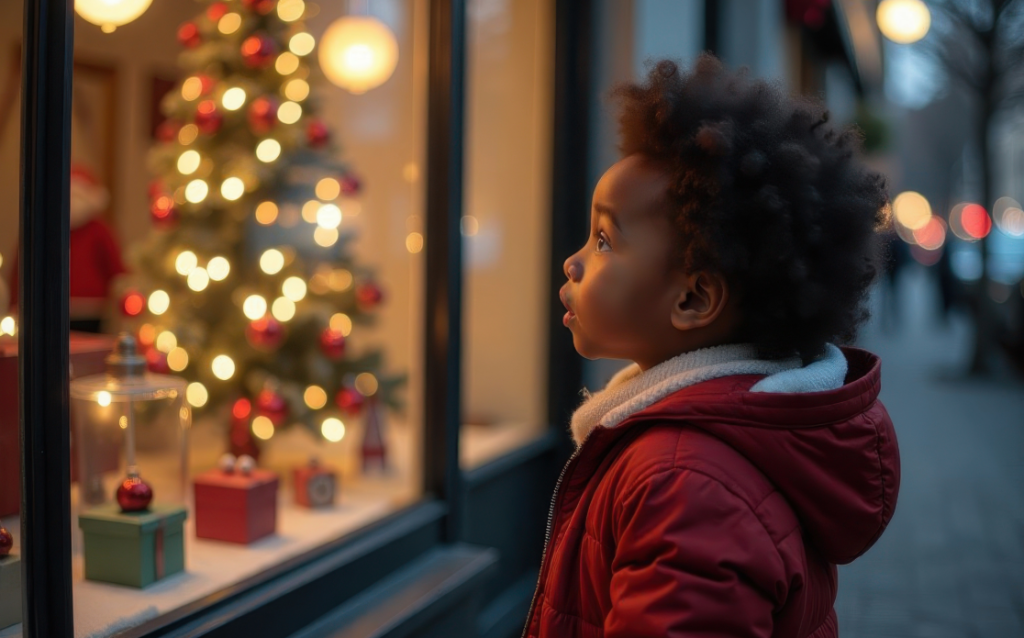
[
  {"x": 358, "y": 53},
  {"x": 110, "y": 14},
  {"x": 903, "y": 21}
]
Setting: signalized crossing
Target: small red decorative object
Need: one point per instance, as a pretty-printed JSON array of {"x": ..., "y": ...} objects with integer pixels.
[
  {"x": 132, "y": 304},
  {"x": 240, "y": 438},
  {"x": 263, "y": 114},
  {"x": 241, "y": 409},
  {"x": 156, "y": 361},
  {"x": 317, "y": 134},
  {"x": 216, "y": 11},
  {"x": 208, "y": 118},
  {"x": 350, "y": 401},
  {"x": 332, "y": 343},
  {"x": 262, "y": 7},
  {"x": 265, "y": 333},
  {"x": 235, "y": 507},
  {"x": 351, "y": 185},
  {"x": 258, "y": 50},
  {"x": 134, "y": 494},
  {"x": 163, "y": 211},
  {"x": 188, "y": 35},
  {"x": 316, "y": 485},
  {"x": 6, "y": 541},
  {"x": 271, "y": 404},
  {"x": 369, "y": 295}
]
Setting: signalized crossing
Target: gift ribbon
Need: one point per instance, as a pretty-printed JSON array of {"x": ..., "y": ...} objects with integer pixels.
[{"x": 159, "y": 553}]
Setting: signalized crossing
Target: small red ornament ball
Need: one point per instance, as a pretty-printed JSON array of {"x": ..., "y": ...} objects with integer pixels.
[
  {"x": 369, "y": 295},
  {"x": 258, "y": 50},
  {"x": 272, "y": 405},
  {"x": 332, "y": 344},
  {"x": 262, "y": 115},
  {"x": 132, "y": 304},
  {"x": 134, "y": 494},
  {"x": 188, "y": 35},
  {"x": 156, "y": 361},
  {"x": 317, "y": 134},
  {"x": 262, "y": 7},
  {"x": 208, "y": 118},
  {"x": 265, "y": 333},
  {"x": 351, "y": 185},
  {"x": 6, "y": 541},
  {"x": 216, "y": 11},
  {"x": 163, "y": 211},
  {"x": 350, "y": 401}
]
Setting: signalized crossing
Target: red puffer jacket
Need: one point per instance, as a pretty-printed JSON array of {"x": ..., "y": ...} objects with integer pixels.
[{"x": 719, "y": 512}]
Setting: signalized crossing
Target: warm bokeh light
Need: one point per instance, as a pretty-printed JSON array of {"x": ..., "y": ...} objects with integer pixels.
[
  {"x": 233, "y": 98},
  {"x": 196, "y": 191},
  {"x": 266, "y": 213},
  {"x": 198, "y": 279},
  {"x": 333, "y": 429},
  {"x": 8, "y": 326},
  {"x": 903, "y": 21},
  {"x": 366, "y": 383},
  {"x": 196, "y": 394},
  {"x": 289, "y": 112},
  {"x": 290, "y": 10},
  {"x": 975, "y": 221},
  {"x": 241, "y": 408},
  {"x": 254, "y": 307},
  {"x": 932, "y": 235},
  {"x": 188, "y": 162},
  {"x": 110, "y": 14},
  {"x": 328, "y": 216},
  {"x": 186, "y": 262},
  {"x": 315, "y": 397},
  {"x": 159, "y": 302},
  {"x": 268, "y": 150},
  {"x": 147, "y": 334},
  {"x": 294, "y": 288},
  {"x": 340, "y": 279},
  {"x": 272, "y": 261},
  {"x": 301, "y": 44},
  {"x": 188, "y": 134},
  {"x": 325, "y": 237},
  {"x": 177, "y": 359},
  {"x": 358, "y": 53},
  {"x": 223, "y": 367},
  {"x": 232, "y": 188},
  {"x": 470, "y": 226},
  {"x": 911, "y": 209},
  {"x": 134, "y": 304},
  {"x": 310, "y": 210},
  {"x": 191, "y": 89},
  {"x": 219, "y": 268},
  {"x": 340, "y": 322},
  {"x": 166, "y": 341},
  {"x": 229, "y": 23},
  {"x": 103, "y": 398},
  {"x": 328, "y": 188},
  {"x": 414, "y": 242},
  {"x": 263, "y": 427},
  {"x": 283, "y": 309},
  {"x": 296, "y": 90}
]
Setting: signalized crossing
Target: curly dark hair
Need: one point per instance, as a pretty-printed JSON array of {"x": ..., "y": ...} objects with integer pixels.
[{"x": 768, "y": 194}]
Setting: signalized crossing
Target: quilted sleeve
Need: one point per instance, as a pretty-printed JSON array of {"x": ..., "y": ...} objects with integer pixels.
[{"x": 692, "y": 559}]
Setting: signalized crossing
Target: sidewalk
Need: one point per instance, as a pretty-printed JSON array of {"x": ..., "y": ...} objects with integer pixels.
[{"x": 952, "y": 561}]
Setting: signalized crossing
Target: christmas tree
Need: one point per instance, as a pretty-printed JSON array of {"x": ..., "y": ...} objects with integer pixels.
[{"x": 246, "y": 284}]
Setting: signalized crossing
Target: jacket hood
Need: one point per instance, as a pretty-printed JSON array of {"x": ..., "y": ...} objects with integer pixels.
[{"x": 832, "y": 454}]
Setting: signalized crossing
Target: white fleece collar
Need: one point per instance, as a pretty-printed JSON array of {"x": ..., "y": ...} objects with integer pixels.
[{"x": 631, "y": 390}]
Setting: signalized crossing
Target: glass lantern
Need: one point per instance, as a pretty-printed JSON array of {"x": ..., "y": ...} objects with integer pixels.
[{"x": 132, "y": 433}]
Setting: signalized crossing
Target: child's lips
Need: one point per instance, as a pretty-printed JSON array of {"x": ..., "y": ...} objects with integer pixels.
[{"x": 569, "y": 315}]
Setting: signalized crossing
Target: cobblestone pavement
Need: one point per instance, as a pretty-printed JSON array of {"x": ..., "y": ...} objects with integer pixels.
[{"x": 952, "y": 561}]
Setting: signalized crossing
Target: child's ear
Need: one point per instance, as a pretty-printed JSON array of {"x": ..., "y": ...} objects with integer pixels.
[{"x": 702, "y": 298}]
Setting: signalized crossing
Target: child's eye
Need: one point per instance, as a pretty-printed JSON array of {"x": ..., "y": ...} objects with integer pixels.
[{"x": 602, "y": 243}]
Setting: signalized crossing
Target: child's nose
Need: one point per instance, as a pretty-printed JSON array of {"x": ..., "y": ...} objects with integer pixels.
[{"x": 572, "y": 269}]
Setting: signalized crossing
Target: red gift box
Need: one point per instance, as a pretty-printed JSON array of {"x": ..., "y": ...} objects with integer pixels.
[
  {"x": 88, "y": 355},
  {"x": 236, "y": 507},
  {"x": 315, "y": 485}
]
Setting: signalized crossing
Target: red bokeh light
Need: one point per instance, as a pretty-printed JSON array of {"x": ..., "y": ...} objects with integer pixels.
[
  {"x": 932, "y": 235},
  {"x": 975, "y": 221},
  {"x": 133, "y": 304},
  {"x": 241, "y": 409}
]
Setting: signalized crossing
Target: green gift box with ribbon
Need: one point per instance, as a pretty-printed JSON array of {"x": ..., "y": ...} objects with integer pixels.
[{"x": 133, "y": 548}]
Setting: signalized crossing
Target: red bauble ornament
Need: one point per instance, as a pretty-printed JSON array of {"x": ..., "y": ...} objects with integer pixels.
[
  {"x": 156, "y": 361},
  {"x": 188, "y": 35},
  {"x": 369, "y": 295},
  {"x": 317, "y": 134},
  {"x": 351, "y": 185},
  {"x": 6, "y": 541},
  {"x": 208, "y": 118},
  {"x": 241, "y": 440},
  {"x": 263, "y": 115},
  {"x": 132, "y": 304},
  {"x": 265, "y": 333},
  {"x": 262, "y": 7},
  {"x": 216, "y": 11},
  {"x": 134, "y": 494},
  {"x": 350, "y": 401},
  {"x": 332, "y": 343},
  {"x": 272, "y": 405},
  {"x": 258, "y": 51},
  {"x": 163, "y": 211}
]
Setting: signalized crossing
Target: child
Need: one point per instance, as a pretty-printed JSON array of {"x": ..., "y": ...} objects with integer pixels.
[{"x": 720, "y": 478}]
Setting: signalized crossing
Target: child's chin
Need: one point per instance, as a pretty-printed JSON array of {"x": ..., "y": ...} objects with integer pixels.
[{"x": 585, "y": 349}]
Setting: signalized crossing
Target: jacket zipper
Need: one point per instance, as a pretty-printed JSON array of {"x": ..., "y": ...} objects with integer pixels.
[{"x": 547, "y": 536}]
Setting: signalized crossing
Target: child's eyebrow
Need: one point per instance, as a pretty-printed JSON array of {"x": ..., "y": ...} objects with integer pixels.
[{"x": 610, "y": 214}]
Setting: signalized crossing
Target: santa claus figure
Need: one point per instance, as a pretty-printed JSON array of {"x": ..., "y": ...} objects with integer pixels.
[{"x": 95, "y": 255}]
